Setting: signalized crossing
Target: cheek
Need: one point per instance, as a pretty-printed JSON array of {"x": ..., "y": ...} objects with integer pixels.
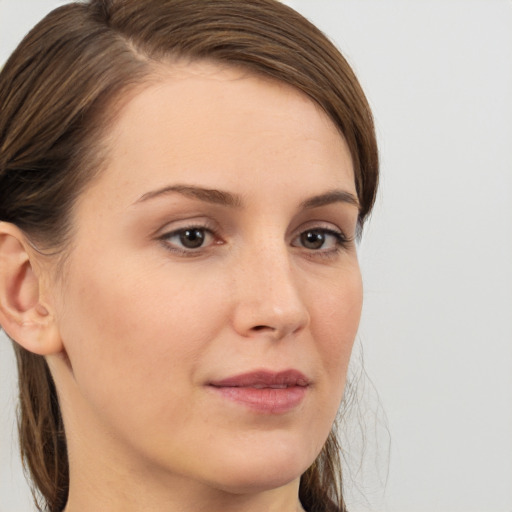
[
  {"x": 139, "y": 335},
  {"x": 335, "y": 321},
  {"x": 335, "y": 314}
]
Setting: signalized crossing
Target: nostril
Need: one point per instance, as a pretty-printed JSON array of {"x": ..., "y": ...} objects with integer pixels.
[{"x": 261, "y": 327}]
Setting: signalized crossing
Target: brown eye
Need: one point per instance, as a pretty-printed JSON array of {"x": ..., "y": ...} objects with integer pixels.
[
  {"x": 189, "y": 240},
  {"x": 192, "y": 238},
  {"x": 313, "y": 239},
  {"x": 320, "y": 239}
]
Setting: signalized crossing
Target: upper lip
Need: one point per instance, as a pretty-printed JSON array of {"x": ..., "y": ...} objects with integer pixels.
[{"x": 264, "y": 379}]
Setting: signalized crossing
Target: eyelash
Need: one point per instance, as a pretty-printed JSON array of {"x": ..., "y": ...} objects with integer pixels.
[{"x": 341, "y": 241}]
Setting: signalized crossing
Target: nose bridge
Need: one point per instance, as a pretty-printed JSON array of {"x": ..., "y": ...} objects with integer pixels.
[{"x": 269, "y": 299}]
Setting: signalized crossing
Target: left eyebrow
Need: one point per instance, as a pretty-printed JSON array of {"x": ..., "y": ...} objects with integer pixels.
[
  {"x": 202, "y": 194},
  {"x": 333, "y": 196}
]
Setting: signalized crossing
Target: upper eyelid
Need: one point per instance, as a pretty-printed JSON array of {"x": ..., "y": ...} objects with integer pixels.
[
  {"x": 331, "y": 231},
  {"x": 207, "y": 226},
  {"x": 320, "y": 225},
  {"x": 176, "y": 232},
  {"x": 183, "y": 224}
]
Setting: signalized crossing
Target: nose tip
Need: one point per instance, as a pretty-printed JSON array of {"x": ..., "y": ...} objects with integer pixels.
[
  {"x": 277, "y": 324},
  {"x": 270, "y": 305}
]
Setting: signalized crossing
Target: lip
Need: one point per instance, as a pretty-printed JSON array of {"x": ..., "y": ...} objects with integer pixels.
[{"x": 265, "y": 391}]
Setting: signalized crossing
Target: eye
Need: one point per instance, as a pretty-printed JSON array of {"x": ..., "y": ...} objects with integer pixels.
[
  {"x": 188, "y": 239},
  {"x": 192, "y": 238},
  {"x": 320, "y": 239}
]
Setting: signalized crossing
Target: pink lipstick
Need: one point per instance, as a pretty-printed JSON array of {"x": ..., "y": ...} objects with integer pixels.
[{"x": 265, "y": 391}]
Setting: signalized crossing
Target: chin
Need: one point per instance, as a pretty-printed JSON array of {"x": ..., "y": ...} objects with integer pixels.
[
  {"x": 246, "y": 474},
  {"x": 257, "y": 483}
]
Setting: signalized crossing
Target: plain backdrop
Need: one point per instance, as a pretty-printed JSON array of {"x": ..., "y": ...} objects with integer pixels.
[{"x": 436, "y": 257}]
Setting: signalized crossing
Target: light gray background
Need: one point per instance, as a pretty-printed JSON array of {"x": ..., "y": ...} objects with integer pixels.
[{"x": 436, "y": 328}]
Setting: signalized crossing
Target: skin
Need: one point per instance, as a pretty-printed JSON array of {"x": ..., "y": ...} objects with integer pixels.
[{"x": 144, "y": 324}]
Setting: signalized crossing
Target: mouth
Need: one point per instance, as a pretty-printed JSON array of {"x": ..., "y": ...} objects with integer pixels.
[{"x": 264, "y": 391}]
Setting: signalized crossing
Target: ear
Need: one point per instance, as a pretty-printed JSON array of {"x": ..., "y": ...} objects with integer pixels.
[{"x": 24, "y": 315}]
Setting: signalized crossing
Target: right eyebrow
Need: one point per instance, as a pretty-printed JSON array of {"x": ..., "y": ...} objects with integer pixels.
[
  {"x": 209, "y": 195},
  {"x": 333, "y": 196}
]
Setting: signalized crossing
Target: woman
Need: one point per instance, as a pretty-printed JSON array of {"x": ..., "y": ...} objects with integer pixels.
[{"x": 181, "y": 186}]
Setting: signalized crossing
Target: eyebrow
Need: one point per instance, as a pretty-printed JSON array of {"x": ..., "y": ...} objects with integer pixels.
[
  {"x": 229, "y": 199},
  {"x": 208, "y": 195},
  {"x": 333, "y": 196}
]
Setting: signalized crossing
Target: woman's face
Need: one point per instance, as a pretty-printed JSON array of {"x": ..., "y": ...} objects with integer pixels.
[{"x": 212, "y": 292}]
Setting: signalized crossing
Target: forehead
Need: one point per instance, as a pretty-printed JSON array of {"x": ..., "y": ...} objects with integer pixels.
[{"x": 223, "y": 125}]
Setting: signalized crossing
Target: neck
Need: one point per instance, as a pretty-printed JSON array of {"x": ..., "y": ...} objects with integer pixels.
[{"x": 116, "y": 495}]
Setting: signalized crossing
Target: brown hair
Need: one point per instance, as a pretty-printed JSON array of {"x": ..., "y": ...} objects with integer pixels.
[{"x": 57, "y": 97}]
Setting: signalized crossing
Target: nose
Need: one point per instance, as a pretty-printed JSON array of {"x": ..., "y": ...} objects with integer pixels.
[{"x": 268, "y": 300}]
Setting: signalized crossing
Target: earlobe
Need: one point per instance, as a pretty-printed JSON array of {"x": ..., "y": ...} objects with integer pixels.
[{"x": 23, "y": 314}]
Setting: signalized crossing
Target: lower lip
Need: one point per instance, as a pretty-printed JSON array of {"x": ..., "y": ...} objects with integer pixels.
[{"x": 265, "y": 400}]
